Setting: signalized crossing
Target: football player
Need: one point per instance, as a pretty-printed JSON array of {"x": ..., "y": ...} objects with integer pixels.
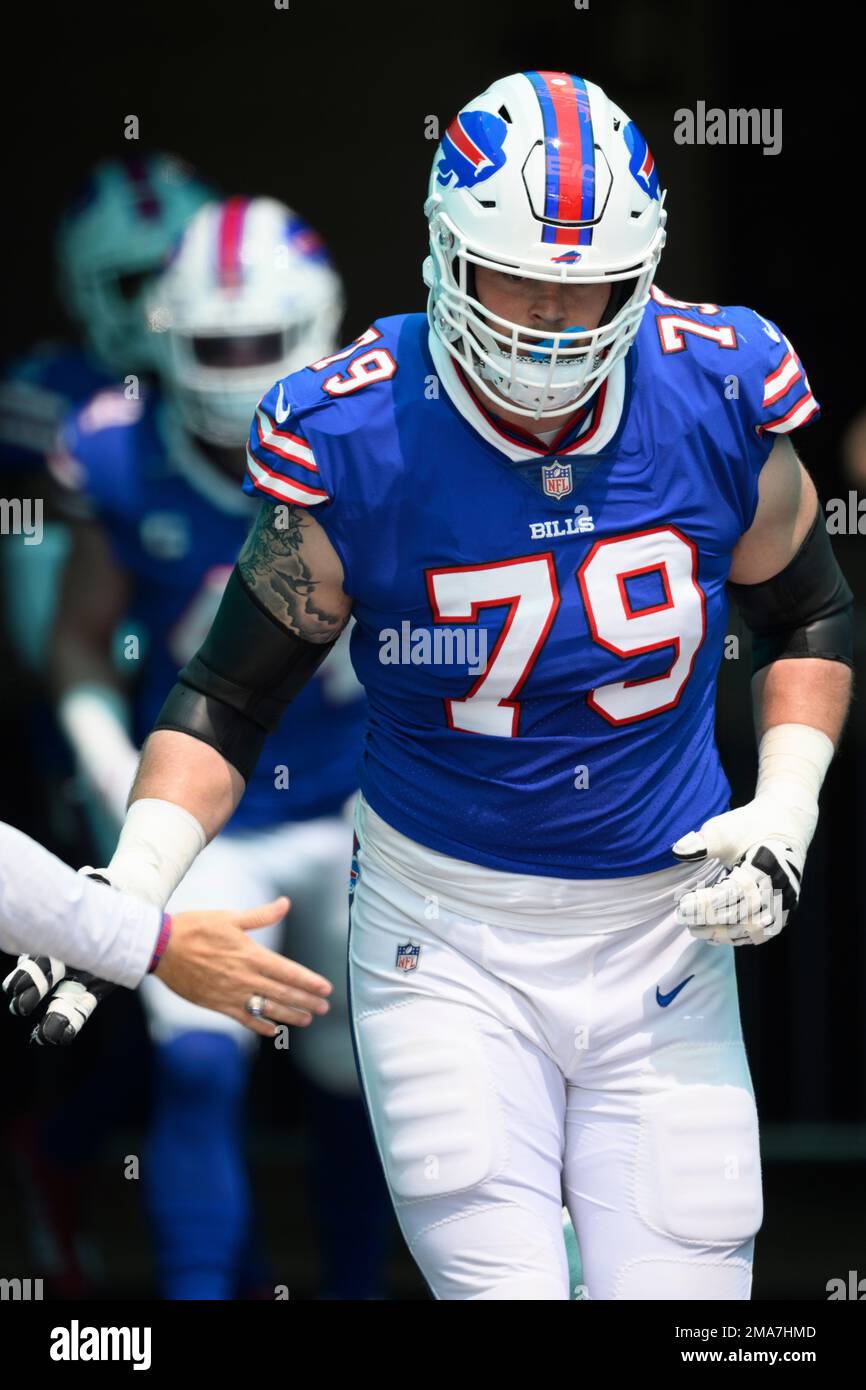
[
  {"x": 155, "y": 486},
  {"x": 570, "y": 467},
  {"x": 111, "y": 240}
]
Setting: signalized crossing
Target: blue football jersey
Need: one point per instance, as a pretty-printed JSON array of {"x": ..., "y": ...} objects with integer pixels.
[
  {"x": 176, "y": 531},
  {"x": 539, "y": 626},
  {"x": 37, "y": 391}
]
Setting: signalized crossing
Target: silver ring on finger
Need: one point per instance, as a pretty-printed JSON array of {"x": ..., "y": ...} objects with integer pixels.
[{"x": 256, "y": 1005}]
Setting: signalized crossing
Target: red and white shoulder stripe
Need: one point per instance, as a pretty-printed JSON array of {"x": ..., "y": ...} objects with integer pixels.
[
  {"x": 282, "y": 464},
  {"x": 788, "y": 396}
]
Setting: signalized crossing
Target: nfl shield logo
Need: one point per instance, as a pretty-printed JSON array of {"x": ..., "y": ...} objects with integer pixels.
[
  {"x": 407, "y": 956},
  {"x": 557, "y": 479},
  {"x": 355, "y": 870}
]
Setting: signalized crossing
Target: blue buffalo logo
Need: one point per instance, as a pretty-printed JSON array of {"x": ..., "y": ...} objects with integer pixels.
[
  {"x": 641, "y": 164},
  {"x": 472, "y": 149}
]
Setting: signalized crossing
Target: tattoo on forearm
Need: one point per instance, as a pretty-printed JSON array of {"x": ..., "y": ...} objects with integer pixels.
[{"x": 273, "y": 567}]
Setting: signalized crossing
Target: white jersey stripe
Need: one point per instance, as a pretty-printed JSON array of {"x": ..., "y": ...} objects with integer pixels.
[
  {"x": 796, "y": 358},
  {"x": 781, "y": 380},
  {"x": 283, "y": 488},
  {"x": 283, "y": 444},
  {"x": 798, "y": 415}
]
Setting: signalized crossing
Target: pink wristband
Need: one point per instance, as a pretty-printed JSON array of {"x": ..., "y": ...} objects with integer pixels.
[{"x": 162, "y": 942}]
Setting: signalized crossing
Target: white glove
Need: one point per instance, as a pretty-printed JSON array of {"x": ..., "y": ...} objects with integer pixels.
[{"x": 763, "y": 843}]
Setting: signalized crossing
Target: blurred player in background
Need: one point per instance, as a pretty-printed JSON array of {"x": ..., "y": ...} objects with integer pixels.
[
  {"x": 112, "y": 239},
  {"x": 153, "y": 486}
]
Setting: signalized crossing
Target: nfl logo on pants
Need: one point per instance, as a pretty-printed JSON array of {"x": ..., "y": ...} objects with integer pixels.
[
  {"x": 407, "y": 956},
  {"x": 557, "y": 479}
]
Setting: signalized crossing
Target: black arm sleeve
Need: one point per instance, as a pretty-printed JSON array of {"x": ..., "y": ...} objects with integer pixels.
[
  {"x": 804, "y": 610},
  {"x": 234, "y": 691}
]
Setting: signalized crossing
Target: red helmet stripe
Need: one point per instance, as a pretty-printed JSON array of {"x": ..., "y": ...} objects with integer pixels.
[
  {"x": 570, "y": 147},
  {"x": 570, "y": 155},
  {"x": 230, "y": 239}
]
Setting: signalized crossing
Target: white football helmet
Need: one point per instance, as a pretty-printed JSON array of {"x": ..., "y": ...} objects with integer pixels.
[
  {"x": 115, "y": 236},
  {"x": 249, "y": 296},
  {"x": 544, "y": 177}
]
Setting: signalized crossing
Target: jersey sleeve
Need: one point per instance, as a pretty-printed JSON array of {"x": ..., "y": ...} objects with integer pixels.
[
  {"x": 88, "y": 458},
  {"x": 324, "y": 438},
  {"x": 783, "y": 399},
  {"x": 67, "y": 462},
  {"x": 29, "y": 417},
  {"x": 281, "y": 464},
  {"x": 36, "y": 392}
]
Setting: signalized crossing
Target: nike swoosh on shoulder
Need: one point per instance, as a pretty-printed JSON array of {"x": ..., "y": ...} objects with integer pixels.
[{"x": 281, "y": 412}]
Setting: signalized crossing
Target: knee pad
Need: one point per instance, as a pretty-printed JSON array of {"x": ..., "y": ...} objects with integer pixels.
[
  {"x": 201, "y": 1070},
  {"x": 499, "y": 1253},
  {"x": 697, "y": 1169},
  {"x": 690, "y": 1278},
  {"x": 432, "y": 1098}
]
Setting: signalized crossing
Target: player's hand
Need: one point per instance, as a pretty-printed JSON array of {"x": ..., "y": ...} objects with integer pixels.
[
  {"x": 211, "y": 961},
  {"x": 74, "y": 996},
  {"x": 74, "y": 993},
  {"x": 763, "y": 846}
]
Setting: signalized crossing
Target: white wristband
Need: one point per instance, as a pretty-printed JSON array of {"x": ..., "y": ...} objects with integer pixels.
[
  {"x": 158, "y": 844},
  {"x": 792, "y": 763},
  {"x": 793, "y": 760}
]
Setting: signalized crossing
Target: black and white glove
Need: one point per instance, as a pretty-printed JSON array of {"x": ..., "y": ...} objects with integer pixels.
[
  {"x": 753, "y": 901},
  {"x": 763, "y": 845},
  {"x": 74, "y": 993}
]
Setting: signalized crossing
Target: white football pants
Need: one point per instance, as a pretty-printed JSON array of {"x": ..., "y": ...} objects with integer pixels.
[
  {"x": 309, "y": 862},
  {"x": 510, "y": 1069}
]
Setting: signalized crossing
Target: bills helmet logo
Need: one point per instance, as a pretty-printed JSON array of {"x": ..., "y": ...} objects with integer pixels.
[
  {"x": 568, "y": 258},
  {"x": 557, "y": 479},
  {"x": 407, "y": 956},
  {"x": 472, "y": 149},
  {"x": 641, "y": 164},
  {"x": 306, "y": 240}
]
